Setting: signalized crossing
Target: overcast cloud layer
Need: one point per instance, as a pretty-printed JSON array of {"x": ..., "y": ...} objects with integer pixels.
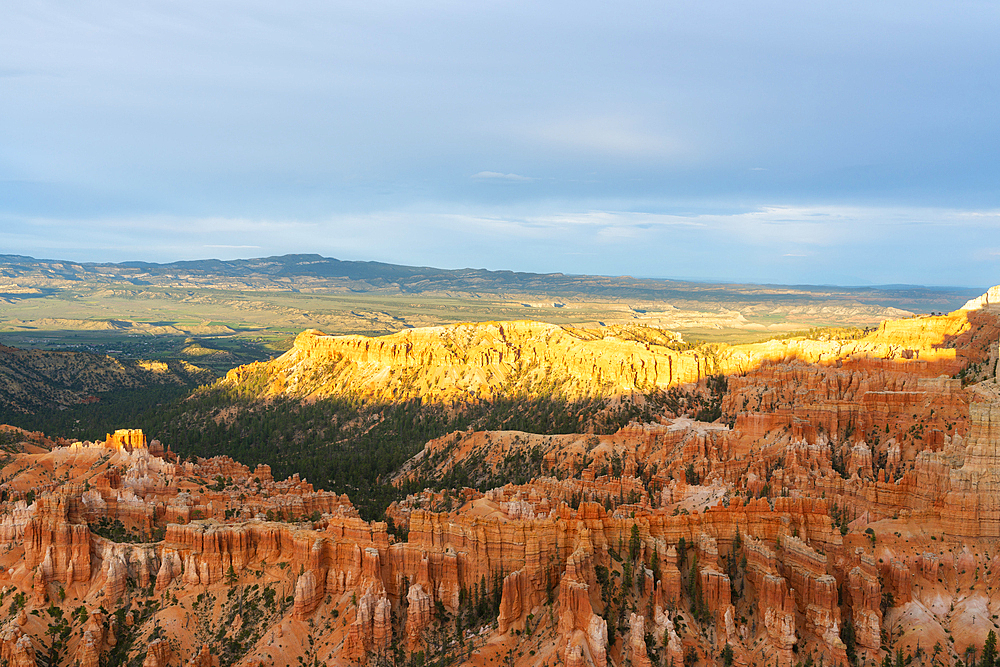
[{"x": 831, "y": 142}]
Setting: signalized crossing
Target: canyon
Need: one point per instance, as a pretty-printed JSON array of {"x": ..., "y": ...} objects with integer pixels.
[{"x": 841, "y": 508}]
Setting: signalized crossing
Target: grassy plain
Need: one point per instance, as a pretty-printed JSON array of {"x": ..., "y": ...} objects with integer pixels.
[
  {"x": 222, "y": 314},
  {"x": 245, "y": 326}
]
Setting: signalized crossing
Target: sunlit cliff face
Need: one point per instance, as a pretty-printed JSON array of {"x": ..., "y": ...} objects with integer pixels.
[
  {"x": 843, "y": 506},
  {"x": 482, "y": 360}
]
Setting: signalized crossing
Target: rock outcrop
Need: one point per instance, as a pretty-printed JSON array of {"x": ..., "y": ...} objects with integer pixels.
[
  {"x": 157, "y": 654},
  {"x": 846, "y": 489}
]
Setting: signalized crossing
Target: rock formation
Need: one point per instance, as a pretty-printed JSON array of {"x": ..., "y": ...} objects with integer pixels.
[{"x": 847, "y": 488}]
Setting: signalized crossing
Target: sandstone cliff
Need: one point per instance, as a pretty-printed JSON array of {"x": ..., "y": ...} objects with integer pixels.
[
  {"x": 843, "y": 508},
  {"x": 469, "y": 361}
]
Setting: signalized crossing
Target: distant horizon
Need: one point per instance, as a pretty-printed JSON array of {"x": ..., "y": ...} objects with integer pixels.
[
  {"x": 706, "y": 281},
  {"x": 778, "y": 143}
]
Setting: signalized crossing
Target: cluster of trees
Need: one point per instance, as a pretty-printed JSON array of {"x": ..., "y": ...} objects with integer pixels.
[
  {"x": 116, "y": 531},
  {"x": 344, "y": 444},
  {"x": 628, "y": 592},
  {"x": 481, "y": 604},
  {"x": 703, "y": 405},
  {"x": 840, "y": 517},
  {"x": 92, "y": 421},
  {"x": 827, "y": 333}
]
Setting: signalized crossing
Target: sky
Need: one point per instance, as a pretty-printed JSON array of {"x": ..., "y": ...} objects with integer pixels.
[{"x": 841, "y": 142}]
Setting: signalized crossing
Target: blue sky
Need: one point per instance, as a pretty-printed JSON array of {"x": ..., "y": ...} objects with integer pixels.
[{"x": 826, "y": 142}]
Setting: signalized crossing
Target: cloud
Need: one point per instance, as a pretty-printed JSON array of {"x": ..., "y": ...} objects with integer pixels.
[
  {"x": 845, "y": 245},
  {"x": 498, "y": 176},
  {"x": 614, "y": 135}
]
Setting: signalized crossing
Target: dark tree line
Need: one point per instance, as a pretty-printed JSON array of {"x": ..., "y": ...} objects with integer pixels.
[{"x": 343, "y": 444}]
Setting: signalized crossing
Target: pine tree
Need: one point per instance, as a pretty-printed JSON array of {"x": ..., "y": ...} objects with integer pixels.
[
  {"x": 633, "y": 543},
  {"x": 989, "y": 657}
]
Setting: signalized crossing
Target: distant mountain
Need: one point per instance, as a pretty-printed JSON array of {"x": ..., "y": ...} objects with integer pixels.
[{"x": 315, "y": 272}]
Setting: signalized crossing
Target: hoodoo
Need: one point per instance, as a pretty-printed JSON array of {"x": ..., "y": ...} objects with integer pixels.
[{"x": 842, "y": 507}]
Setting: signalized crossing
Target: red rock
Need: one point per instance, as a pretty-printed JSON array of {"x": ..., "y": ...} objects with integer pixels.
[
  {"x": 418, "y": 614},
  {"x": 512, "y": 602},
  {"x": 16, "y": 648},
  {"x": 157, "y": 654},
  {"x": 170, "y": 567},
  {"x": 116, "y": 578},
  {"x": 637, "y": 642},
  {"x": 203, "y": 658},
  {"x": 51, "y": 537},
  {"x": 128, "y": 439},
  {"x": 88, "y": 653},
  {"x": 899, "y": 580},
  {"x": 865, "y": 593},
  {"x": 580, "y": 629},
  {"x": 574, "y": 658},
  {"x": 929, "y": 565},
  {"x": 371, "y": 631},
  {"x": 308, "y": 594},
  {"x": 670, "y": 577}
]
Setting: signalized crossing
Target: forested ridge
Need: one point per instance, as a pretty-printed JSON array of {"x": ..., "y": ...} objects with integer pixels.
[
  {"x": 351, "y": 445},
  {"x": 345, "y": 444}
]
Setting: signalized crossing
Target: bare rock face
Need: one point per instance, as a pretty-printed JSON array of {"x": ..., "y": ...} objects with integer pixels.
[
  {"x": 91, "y": 644},
  {"x": 51, "y": 538},
  {"x": 170, "y": 567},
  {"x": 866, "y": 597},
  {"x": 418, "y": 614},
  {"x": 990, "y": 298},
  {"x": 637, "y": 641},
  {"x": 116, "y": 573},
  {"x": 929, "y": 564},
  {"x": 88, "y": 653},
  {"x": 818, "y": 596},
  {"x": 775, "y": 601},
  {"x": 203, "y": 658},
  {"x": 972, "y": 505},
  {"x": 458, "y": 353},
  {"x": 371, "y": 631},
  {"x": 512, "y": 602},
  {"x": 308, "y": 594},
  {"x": 819, "y": 463},
  {"x": 580, "y": 629},
  {"x": 574, "y": 658},
  {"x": 899, "y": 580},
  {"x": 39, "y": 590},
  {"x": 157, "y": 654},
  {"x": 451, "y": 361},
  {"x": 191, "y": 576},
  {"x": 670, "y": 577},
  {"x": 128, "y": 439},
  {"x": 716, "y": 588},
  {"x": 674, "y": 647},
  {"x": 16, "y": 647}
]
